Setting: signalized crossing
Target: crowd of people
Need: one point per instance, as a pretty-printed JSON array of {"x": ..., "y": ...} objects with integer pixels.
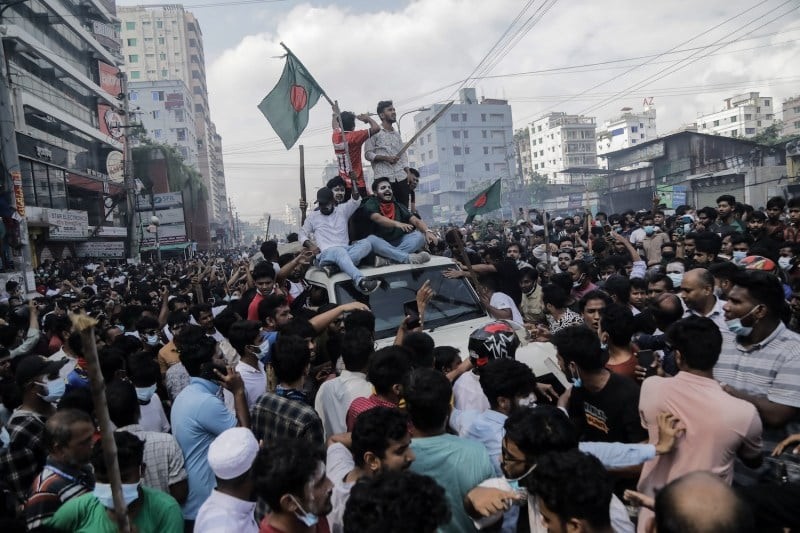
[{"x": 242, "y": 399}]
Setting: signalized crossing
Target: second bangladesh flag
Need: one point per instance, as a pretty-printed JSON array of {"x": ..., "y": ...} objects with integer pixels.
[{"x": 486, "y": 201}]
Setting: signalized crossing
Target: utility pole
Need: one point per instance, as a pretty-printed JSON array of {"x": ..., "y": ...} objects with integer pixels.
[
  {"x": 127, "y": 168},
  {"x": 13, "y": 175}
]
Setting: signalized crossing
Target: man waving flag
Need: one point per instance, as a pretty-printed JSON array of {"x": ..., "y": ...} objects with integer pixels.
[
  {"x": 286, "y": 106},
  {"x": 486, "y": 201}
]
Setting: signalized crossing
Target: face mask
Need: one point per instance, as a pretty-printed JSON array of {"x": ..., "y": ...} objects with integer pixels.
[
  {"x": 310, "y": 520},
  {"x": 785, "y": 263},
  {"x": 738, "y": 255},
  {"x": 527, "y": 401},
  {"x": 617, "y": 228},
  {"x": 55, "y": 390},
  {"x": 737, "y": 328},
  {"x": 676, "y": 278},
  {"x": 577, "y": 382},
  {"x": 514, "y": 482},
  {"x": 326, "y": 210},
  {"x": 151, "y": 340},
  {"x": 649, "y": 230},
  {"x": 668, "y": 256},
  {"x": 121, "y": 328},
  {"x": 718, "y": 292},
  {"x": 145, "y": 393},
  {"x": 604, "y": 346},
  {"x": 578, "y": 283},
  {"x": 102, "y": 491},
  {"x": 533, "y": 288},
  {"x": 263, "y": 350}
]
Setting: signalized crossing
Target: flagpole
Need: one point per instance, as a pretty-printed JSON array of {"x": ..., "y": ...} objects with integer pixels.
[{"x": 303, "y": 185}]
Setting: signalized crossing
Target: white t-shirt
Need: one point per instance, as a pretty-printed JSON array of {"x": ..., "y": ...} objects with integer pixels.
[
  {"x": 468, "y": 394},
  {"x": 153, "y": 416},
  {"x": 255, "y": 381},
  {"x": 501, "y": 300}
]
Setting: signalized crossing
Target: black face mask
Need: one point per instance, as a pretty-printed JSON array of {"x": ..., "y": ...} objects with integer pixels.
[
  {"x": 668, "y": 255},
  {"x": 326, "y": 209}
]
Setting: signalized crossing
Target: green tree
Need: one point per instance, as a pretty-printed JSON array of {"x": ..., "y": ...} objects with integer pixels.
[{"x": 771, "y": 134}]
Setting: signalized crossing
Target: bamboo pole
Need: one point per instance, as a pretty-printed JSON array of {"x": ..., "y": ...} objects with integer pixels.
[
  {"x": 84, "y": 325},
  {"x": 303, "y": 185}
]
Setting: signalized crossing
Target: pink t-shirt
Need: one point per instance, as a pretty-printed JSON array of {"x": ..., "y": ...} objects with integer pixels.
[{"x": 717, "y": 427}]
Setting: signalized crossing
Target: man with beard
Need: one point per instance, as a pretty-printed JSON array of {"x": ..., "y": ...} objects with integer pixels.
[
  {"x": 328, "y": 223},
  {"x": 199, "y": 415},
  {"x": 397, "y": 233},
  {"x": 381, "y": 150}
]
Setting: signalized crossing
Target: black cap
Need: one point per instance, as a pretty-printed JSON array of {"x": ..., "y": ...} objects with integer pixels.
[
  {"x": 32, "y": 366},
  {"x": 324, "y": 196}
]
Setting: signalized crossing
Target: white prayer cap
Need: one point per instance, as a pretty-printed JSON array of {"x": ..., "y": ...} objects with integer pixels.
[{"x": 232, "y": 453}]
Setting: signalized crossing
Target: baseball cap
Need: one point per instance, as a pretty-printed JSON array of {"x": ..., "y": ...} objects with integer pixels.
[
  {"x": 324, "y": 196},
  {"x": 32, "y": 366}
]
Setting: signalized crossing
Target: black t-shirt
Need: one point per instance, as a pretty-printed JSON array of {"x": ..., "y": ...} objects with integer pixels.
[{"x": 609, "y": 415}]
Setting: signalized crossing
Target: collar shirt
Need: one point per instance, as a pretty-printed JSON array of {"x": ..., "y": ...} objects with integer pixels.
[
  {"x": 274, "y": 417},
  {"x": 222, "y": 513},
  {"x": 329, "y": 230},
  {"x": 386, "y": 142},
  {"x": 335, "y": 396},
  {"x": 26, "y": 453},
  {"x": 717, "y": 315},
  {"x": 163, "y": 458}
]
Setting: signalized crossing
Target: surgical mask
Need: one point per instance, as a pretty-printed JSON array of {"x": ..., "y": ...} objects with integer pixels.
[
  {"x": 737, "y": 328},
  {"x": 604, "y": 346},
  {"x": 738, "y": 255},
  {"x": 310, "y": 520},
  {"x": 785, "y": 263},
  {"x": 676, "y": 277},
  {"x": 649, "y": 230},
  {"x": 577, "y": 382},
  {"x": 121, "y": 328},
  {"x": 263, "y": 350},
  {"x": 578, "y": 283},
  {"x": 514, "y": 482},
  {"x": 102, "y": 491},
  {"x": 55, "y": 390},
  {"x": 145, "y": 393},
  {"x": 527, "y": 401},
  {"x": 151, "y": 340}
]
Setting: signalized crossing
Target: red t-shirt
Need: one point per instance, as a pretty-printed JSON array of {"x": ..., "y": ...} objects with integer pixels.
[
  {"x": 361, "y": 405},
  {"x": 355, "y": 139},
  {"x": 252, "y": 309}
]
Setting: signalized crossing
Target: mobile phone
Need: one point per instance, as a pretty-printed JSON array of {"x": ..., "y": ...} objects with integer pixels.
[
  {"x": 410, "y": 309},
  {"x": 646, "y": 358}
]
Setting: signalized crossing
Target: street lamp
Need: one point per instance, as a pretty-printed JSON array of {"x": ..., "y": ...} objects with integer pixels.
[
  {"x": 154, "y": 223},
  {"x": 407, "y": 112}
]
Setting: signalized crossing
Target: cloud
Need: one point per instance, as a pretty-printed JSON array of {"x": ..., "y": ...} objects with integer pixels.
[{"x": 408, "y": 53}]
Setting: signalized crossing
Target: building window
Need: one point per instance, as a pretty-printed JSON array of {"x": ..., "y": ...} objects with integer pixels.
[
  {"x": 486, "y": 167},
  {"x": 483, "y": 117},
  {"x": 133, "y": 58},
  {"x": 156, "y": 114},
  {"x": 181, "y": 134},
  {"x": 179, "y": 115},
  {"x": 157, "y": 134},
  {"x": 634, "y": 129},
  {"x": 130, "y": 25},
  {"x": 485, "y": 150},
  {"x": 734, "y": 133},
  {"x": 158, "y": 96},
  {"x": 453, "y": 117},
  {"x": 135, "y": 74},
  {"x": 461, "y": 185},
  {"x": 466, "y": 150},
  {"x": 162, "y": 57},
  {"x": 769, "y": 117},
  {"x": 733, "y": 119},
  {"x": 132, "y": 42},
  {"x": 748, "y": 116},
  {"x": 133, "y": 95},
  {"x": 465, "y": 134},
  {"x": 160, "y": 40},
  {"x": 539, "y": 128},
  {"x": 463, "y": 117},
  {"x": 422, "y": 157},
  {"x": 633, "y": 141},
  {"x": 758, "y": 122},
  {"x": 456, "y": 134},
  {"x": 429, "y": 137},
  {"x": 749, "y": 131},
  {"x": 430, "y": 153},
  {"x": 641, "y": 135},
  {"x": 164, "y": 73},
  {"x": 422, "y": 141},
  {"x": 483, "y": 133},
  {"x": 716, "y": 123},
  {"x": 159, "y": 24},
  {"x": 459, "y": 168},
  {"x": 456, "y": 150},
  {"x": 796, "y": 109},
  {"x": 766, "y": 103},
  {"x": 797, "y": 123},
  {"x": 641, "y": 125}
]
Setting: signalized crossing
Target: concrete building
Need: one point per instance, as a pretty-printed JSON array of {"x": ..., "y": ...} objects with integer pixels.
[
  {"x": 628, "y": 129},
  {"x": 560, "y": 141},
  {"x": 744, "y": 116},
  {"x": 164, "y": 108},
  {"x": 470, "y": 145},
  {"x": 61, "y": 61},
  {"x": 164, "y": 42},
  {"x": 791, "y": 117},
  {"x": 522, "y": 149}
]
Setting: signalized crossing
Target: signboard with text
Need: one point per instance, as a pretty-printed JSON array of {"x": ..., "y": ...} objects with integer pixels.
[
  {"x": 168, "y": 207},
  {"x": 101, "y": 250},
  {"x": 66, "y": 224}
]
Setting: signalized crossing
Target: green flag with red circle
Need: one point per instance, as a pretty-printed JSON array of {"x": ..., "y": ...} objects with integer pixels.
[
  {"x": 287, "y": 105},
  {"x": 487, "y": 200}
]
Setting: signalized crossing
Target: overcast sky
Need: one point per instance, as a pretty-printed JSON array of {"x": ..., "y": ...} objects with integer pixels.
[{"x": 582, "y": 56}]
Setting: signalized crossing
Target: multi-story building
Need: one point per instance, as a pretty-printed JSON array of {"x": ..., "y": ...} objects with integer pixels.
[
  {"x": 164, "y": 108},
  {"x": 791, "y": 117},
  {"x": 61, "y": 61},
  {"x": 560, "y": 141},
  {"x": 472, "y": 143},
  {"x": 164, "y": 42},
  {"x": 744, "y": 115},
  {"x": 522, "y": 147},
  {"x": 626, "y": 130}
]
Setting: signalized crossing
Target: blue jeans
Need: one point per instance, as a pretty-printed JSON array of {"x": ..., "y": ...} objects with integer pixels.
[
  {"x": 347, "y": 257},
  {"x": 410, "y": 243}
]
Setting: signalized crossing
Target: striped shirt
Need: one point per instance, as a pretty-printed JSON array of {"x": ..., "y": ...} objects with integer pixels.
[
  {"x": 768, "y": 369},
  {"x": 55, "y": 484}
]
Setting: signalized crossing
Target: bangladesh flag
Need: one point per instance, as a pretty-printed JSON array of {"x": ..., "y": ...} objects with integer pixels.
[
  {"x": 286, "y": 106},
  {"x": 486, "y": 201}
]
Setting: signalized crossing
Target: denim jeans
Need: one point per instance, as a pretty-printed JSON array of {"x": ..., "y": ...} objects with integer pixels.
[
  {"x": 347, "y": 257},
  {"x": 410, "y": 243}
]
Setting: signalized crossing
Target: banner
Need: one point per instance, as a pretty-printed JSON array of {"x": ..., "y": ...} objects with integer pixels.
[
  {"x": 101, "y": 249},
  {"x": 168, "y": 207},
  {"x": 67, "y": 224}
]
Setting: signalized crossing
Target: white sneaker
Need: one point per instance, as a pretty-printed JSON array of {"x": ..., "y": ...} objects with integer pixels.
[{"x": 419, "y": 258}]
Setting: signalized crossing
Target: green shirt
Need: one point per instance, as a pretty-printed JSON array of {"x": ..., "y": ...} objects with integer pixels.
[
  {"x": 401, "y": 214},
  {"x": 159, "y": 513}
]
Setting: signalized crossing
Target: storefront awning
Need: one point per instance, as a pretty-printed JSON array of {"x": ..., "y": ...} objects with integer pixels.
[{"x": 168, "y": 247}]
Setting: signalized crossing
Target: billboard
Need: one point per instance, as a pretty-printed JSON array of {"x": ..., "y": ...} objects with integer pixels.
[
  {"x": 168, "y": 207},
  {"x": 67, "y": 224},
  {"x": 101, "y": 249},
  {"x": 109, "y": 119}
]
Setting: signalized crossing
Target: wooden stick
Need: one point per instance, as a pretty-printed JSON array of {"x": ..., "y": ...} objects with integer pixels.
[
  {"x": 425, "y": 127},
  {"x": 546, "y": 242},
  {"x": 303, "y": 185},
  {"x": 84, "y": 325}
]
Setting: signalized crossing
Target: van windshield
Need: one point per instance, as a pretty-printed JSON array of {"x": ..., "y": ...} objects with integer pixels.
[{"x": 453, "y": 301}]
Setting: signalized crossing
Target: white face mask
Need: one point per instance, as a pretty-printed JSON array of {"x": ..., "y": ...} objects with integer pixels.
[
  {"x": 527, "y": 401},
  {"x": 785, "y": 263}
]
